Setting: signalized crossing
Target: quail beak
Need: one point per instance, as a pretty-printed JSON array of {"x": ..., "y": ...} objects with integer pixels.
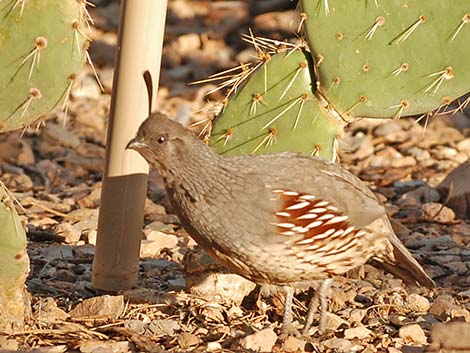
[{"x": 136, "y": 144}]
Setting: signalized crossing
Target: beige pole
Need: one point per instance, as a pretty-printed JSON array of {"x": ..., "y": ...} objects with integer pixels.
[{"x": 123, "y": 193}]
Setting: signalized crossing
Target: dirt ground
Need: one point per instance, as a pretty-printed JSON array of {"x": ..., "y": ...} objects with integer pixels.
[{"x": 183, "y": 304}]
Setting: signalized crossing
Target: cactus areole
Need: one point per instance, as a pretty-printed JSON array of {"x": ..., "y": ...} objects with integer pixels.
[
  {"x": 43, "y": 46},
  {"x": 388, "y": 59}
]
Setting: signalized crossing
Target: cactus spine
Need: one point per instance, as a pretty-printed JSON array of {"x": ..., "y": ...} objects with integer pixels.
[{"x": 43, "y": 45}]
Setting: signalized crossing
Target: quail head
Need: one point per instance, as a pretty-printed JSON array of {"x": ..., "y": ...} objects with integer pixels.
[{"x": 283, "y": 219}]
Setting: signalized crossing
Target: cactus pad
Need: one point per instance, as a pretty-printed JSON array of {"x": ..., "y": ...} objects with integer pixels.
[
  {"x": 14, "y": 264},
  {"x": 389, "y": 58},
  {"x": 43, "y": 47},
  {"x": 277, "y": 110}
]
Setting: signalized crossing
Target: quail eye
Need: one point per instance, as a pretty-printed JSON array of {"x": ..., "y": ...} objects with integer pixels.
[{"x": 161, "y": 139}]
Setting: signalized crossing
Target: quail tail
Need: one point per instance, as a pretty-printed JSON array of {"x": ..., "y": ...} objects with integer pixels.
[{"x": 402, "y": 264}]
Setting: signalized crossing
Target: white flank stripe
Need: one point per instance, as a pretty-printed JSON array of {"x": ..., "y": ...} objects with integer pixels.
[
  {"x": 337, "y": 219},
  {"x": 298, "y": 206},
  {"x": 313, "y": 247},
  {"x": 283, "y": 214},
  {"x": 337, "y": 233},
  {"x": 305, "y": 241},
  {"x": 360, "y": 233},
  {"x": 307, "y": 216},
  {"x": 318, "y": 210},
  {"x": 314, "y": 224},
  {"x": 278, "y": 191},
  {"x": 288, "y": 233},
  {"x": 322, "y": 204},
  {"x": 285, "y": 225},
  {"x": 300, "y": 229},
  {"x": 291, "y": 193},
  {"x": 348, "y": 230},
  {"x": 307, "y": 197},
  {"x": 325, "y": 235},
  {"x": 326, "y": 216},
  {"x": 333, "y": 208}
]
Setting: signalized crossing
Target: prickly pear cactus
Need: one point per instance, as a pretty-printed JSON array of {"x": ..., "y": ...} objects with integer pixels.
[
  {"x": 278, "y": 110},
  {"x": 14, "y": 264},
  {"x": 43, "y": 46},
  {"x": 387, "y": 59}
]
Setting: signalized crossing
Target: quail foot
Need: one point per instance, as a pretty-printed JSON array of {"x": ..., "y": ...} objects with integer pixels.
[{"x": 283, "y": 219}]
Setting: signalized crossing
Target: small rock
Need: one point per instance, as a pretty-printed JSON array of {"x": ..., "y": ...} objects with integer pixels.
[
  {"x": 59, "y": 252},
  {"x": 417, "y": 303},
  {"x": 397, "y": 320},
  {"x": 104, "y": 307},
  {"x": 412, "y": 334},
  {"x": 423, "y": 194},
  {"x": 91, "y": 237},
  {"x": 213, "y": 313},
  {"x": 419, "y": 154},
  {"x": 357, "y": 315},
  {"x": 163, "y": 327},
  {"x": 136, "y": 326},
  {"x": 294, "y": 344},
  {"x": 457, "y": 187},
  {"x": 393, "y": 283},
  {"x": 458, "y": 267},
  {"x": 166, "y": 240},
  {"x": 465, "y": 293},
  {"x": 110, "y": 346},
  {"x": 85, "y": 251},
  {"x": 450, "y": 337},
  {"x": 394, "y": 350},
  {"x": 16, "y": 151},
  {"x": 46, "y": 310},
  {"x": 341, "y": 345},
  {"x": 333, "y": 322},
  {"x": 188, "y": 340},
  {"x": 442, "y": 306},
  {"x": 261, "y": 341},
  {"x": 58, "y": 135},
  {"x": 177, "y": 284},
  {"x": 360, "y": 145},
  {"x": 405, "y": 161},
  {"x": 65, "y": 276},
  {"x": 464, "y": 145},
  {"x": 213, "y": 346},
  {"x": 156, "y": 241},
  {"x": 444, "y": 152},
  {"x": 436, "y": 212},
  {"x": 388, "y": 127},
  {"x": 70, "y": 234},
  {"x": 357, "y": 332},
  {"x": 456, "y": 314},
  {"x": 211, "y": 281},
  {"x": 8, "y": 345}
]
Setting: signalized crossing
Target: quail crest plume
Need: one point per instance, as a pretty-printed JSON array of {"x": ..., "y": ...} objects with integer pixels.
[{"x": 283, "y": 219}]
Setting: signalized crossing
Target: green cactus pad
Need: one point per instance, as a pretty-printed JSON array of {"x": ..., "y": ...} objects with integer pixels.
[
  {"x": 14, "y": 264},
  {"x": 389, "y": 58},
  {"x": 277, "y": 110},
  {"x": 43, "y": 47}
]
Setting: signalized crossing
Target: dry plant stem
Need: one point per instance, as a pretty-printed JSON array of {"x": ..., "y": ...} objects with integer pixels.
[{"x": 123, "y": 193}]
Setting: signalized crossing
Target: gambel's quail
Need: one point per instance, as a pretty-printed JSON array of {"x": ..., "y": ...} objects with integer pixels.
[{"x": 283, "y": 219}]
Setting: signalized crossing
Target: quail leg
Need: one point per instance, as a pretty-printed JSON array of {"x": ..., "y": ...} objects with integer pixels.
[
  {"x": 322, "y": 295},
  {"x": 287, "y": 328}
]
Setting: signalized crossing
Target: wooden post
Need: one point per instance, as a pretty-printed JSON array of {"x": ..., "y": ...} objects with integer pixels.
[{"x": 124, "y": 187}]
